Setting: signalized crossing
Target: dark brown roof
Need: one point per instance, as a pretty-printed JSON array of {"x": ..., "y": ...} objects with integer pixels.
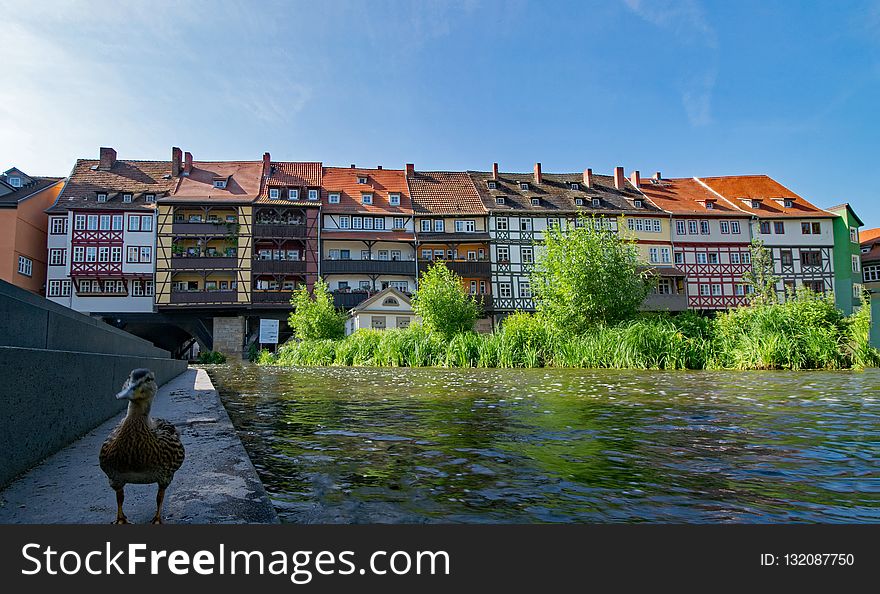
[
  {"x": 444, "y": 193},
  {"x": 36, "y": 185},
  {"x": 137, "y": 177},
  {"x": 556, "y": 195},
  {"x": 291, "y": 174}
]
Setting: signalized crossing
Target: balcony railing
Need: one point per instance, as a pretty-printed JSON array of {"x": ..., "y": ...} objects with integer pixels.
[
  {"x": 204, "y": 297},
  {"x": 467, "y": 268},
  {"x": 279, "y": 266},
  {"x": 202, "y": 262},
  {"x": 220, "y": 228},
  {"x": 271, "y": 296},
  {"x": 349, "y": 300},
  {"x": 279, "y": 230},
  {"x": 665, "y": 302},
  {"x": 402, "y": 267}
]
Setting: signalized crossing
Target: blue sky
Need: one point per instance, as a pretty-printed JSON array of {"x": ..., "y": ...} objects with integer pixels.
[{"x": 790, "y": 89}]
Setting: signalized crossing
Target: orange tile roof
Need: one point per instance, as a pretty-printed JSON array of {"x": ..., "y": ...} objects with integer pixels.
[
  {"x": 444, "y": 192},
  {"x": 137, "y": 177},
  {"x": 380, "y": 183},
  {"x": 869, "y": 235},
  {"x": 762, "y": 187},
  {"x": 244, "y": 180},
  {"x": 686, "y": 196}
]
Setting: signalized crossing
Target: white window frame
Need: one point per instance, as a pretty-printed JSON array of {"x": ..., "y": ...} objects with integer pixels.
[
  {"x": 59, "y": 226},
  {"x": 426, "y": 225},
  {"x": 57, "y": 256},
  {"x": 25, "y": 266},
  {"x": 394, "y": 199},
  {"x": 274, "y": 193},
  {"x": 366, "y": 199},
  {"x": 680, "y": 227},
  {"x": 313, "y": 194},
  {"x": 333, "y": 198},
  {"x": 292, "y": 194}
]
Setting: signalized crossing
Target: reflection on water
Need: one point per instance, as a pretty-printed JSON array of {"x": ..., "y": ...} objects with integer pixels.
[{"x": 539, "y": 445}]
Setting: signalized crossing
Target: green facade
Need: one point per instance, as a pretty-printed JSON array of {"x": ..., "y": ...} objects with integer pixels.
[{"x": 844, "y": 250}]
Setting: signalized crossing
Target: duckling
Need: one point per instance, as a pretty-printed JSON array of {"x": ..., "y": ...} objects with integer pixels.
[{"x": 141, "y": 450}]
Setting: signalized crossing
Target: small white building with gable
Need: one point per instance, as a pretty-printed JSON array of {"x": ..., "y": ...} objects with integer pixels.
[{"x": 386, "y": 309}]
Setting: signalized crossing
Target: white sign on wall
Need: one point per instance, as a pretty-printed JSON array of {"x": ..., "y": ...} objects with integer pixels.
[{"x": 268, "y": 331}]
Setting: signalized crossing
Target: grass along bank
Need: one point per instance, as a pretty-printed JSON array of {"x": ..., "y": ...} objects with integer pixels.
[{"x": 805, "y": 332}]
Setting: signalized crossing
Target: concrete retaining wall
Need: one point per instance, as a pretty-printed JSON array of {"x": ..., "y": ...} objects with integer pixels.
[{"x": 59, "y": 372}]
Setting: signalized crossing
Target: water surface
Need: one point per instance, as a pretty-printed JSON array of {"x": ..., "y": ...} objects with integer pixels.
[{"x": 360, "y": 445}]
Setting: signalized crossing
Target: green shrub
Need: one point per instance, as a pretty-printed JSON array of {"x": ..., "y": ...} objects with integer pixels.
[{"x": 211, "y": 358}]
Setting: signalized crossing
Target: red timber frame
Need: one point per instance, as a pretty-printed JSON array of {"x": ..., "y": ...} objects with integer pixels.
[
  {"x": 97, "y": 239},
  {"x": 709, "y": 274}
]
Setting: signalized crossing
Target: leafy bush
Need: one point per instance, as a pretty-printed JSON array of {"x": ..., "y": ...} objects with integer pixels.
[
  {"x": 314, "y": 317},
  {"x": 211, "y": 358},
  {"x": 443, "y": 303}
]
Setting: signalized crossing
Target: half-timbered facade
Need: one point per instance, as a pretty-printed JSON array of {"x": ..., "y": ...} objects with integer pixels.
[
  {"x": 367, "y": 235},
  {"x": 710, "y": 239},
  {"x": 286, "y": 220},
  {"x": 205, "y": 235},
  {"x": 451, "y": 224},
  {"x": 102, "y": 235},
  {"x": 799, "y": 234}
]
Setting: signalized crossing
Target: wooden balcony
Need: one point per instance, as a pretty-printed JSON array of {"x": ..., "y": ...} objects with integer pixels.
[
  {"x": 271, "y": 297},
  {"x": 207, "y": 229},
  {"x": 400, "y": 267},
  {"x": 272, "y": 231},
  {"x": 203, "y": 263},
  {"x": 349, "y": 300},
  {"x": 203, "y": 297},
  {"x": 278, "y": 266},
  {"x": 464, "y": 268}
]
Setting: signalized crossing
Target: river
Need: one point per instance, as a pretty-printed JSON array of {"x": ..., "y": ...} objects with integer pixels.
[{"x": 365, "y": 445}]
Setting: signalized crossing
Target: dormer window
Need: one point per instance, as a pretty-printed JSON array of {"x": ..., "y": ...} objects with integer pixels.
[
  {"x": 596, "y": 203},
  {"x": 274, "y": 193},
  {"x": 756, "y": 204},
  {"x": 523, "y": 185},
  {"x": 362, "y": 179},
  {"x": 149, "y": 197},
  {"x": 293, "y": 194},
  {"x": 366, "y": 199},
  {"x": 499, "y": 200},
  {"x": 220, "y": 184},
  {"x": 394, "y": 199},
  {"x": 333, "y": 198},
  {"x": 536, "y": 202},
  {"x": 102, "y": 197},
  {"x": 579, "y": 201},
  {"x": 15, "y": 182},
  {"x": 788, "y": 203},
  {"x": 637, "y": 203},
  {"x": 313, "y": 194},
  {"x": 710, "y": 204},
  {"x": 574, "y": 186},
  {"x": 126, "y": 198},
  {"x": 492, "y": 185}
]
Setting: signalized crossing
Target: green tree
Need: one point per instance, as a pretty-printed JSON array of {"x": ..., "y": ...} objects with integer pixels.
[
  {"x": 761, "y": 275},
  {"x": 585, "y": 274},
  {"x": 313, "y": 316},
  {"x": 443, "y": 303}
]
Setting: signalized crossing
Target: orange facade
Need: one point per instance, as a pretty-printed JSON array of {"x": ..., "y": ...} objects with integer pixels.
[{"x": 23, "y": 230}]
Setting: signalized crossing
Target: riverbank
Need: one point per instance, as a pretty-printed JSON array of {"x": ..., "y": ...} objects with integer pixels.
[
  {"x": 803, "y": 333},
  {"x": 216, "y": 484}
]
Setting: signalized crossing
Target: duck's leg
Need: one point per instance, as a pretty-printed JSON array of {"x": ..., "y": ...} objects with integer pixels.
[
  {"x": 160, "y": 497},
  {"x": 120, "y": 497}
]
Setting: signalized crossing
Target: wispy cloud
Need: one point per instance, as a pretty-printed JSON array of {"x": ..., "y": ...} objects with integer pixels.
[{"x": 688, "y": 23}]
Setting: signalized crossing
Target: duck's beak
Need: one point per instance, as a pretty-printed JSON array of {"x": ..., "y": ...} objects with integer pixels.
[{"x": 126, "y": 393}]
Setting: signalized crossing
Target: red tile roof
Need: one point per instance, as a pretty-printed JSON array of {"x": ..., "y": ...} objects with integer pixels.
[
  {"x": 380, "y": 183},
  {"x": 244, "y": 180},
  {"x": 292, "y": 174},
  {"x": 444, "y": 192},
  {"x": 137, "y": 177},
  {"x": 741, "y": 189},
  {"x": 685, "y": 196},
  {"x": 869, "y": 235}
]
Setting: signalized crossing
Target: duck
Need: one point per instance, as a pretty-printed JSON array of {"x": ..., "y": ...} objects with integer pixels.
[{"x": 141, "y": 449}]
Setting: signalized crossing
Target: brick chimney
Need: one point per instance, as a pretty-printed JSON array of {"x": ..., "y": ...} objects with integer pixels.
[
  {"x": 108, "y": 158},
  {"x": 657, "y": 176},
  {"x": 618, "y": 178},
  {"x": 410, "y": 170},
  {"x": 538, "y": 177},
  {"x": 588, "y": 177},
  {"x": 176, "y": 158},
  {"x": 187, "y": 162},
  {"x": 267, "y": 164},
  {"x": 494, "y": 170},
  {"x": 635, "y": 178},
  {"x": 378, "y": 168}
]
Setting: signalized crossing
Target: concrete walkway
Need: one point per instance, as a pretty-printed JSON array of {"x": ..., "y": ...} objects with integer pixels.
[{"x": 216, "y": 484}]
